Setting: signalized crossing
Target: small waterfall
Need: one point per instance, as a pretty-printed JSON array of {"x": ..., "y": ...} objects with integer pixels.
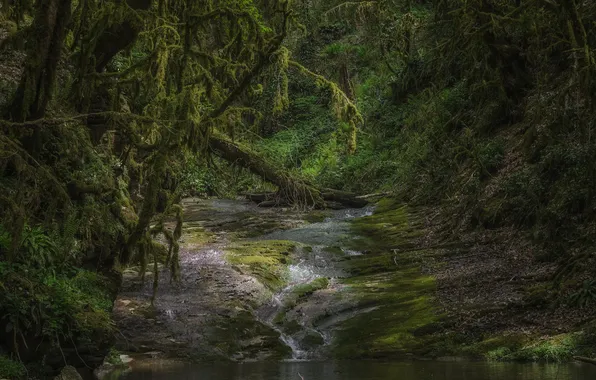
[
  {"x": 301, "y": 273},
  {"x": 319, "y": 260}
]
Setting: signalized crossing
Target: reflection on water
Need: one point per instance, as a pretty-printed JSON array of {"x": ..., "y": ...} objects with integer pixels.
[{"x": 367, "y": 370}]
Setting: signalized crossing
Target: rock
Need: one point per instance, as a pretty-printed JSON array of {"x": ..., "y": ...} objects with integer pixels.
[
  {"x": 68, "y": 373},
  {"x": 125, "y": 359},
  {"x": 103, "y": 371},
  {"x": 154, "y": 354}
]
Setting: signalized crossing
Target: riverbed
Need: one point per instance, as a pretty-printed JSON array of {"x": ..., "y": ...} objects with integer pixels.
[{"x": 289, "y": 294}]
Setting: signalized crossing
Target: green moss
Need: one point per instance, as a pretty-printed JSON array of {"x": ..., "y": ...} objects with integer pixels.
[
  {"x": 394, "y": 314},
  {"x": 197, "y": 236},
  {"x": 302, "y": 291},
  {"x": 395, "y": 305},
  {"x": 386, "y": 204},
  {"x": 391, "y": 226},
  {"x": 523, "y": 347},
  {"x": 317, "y": 216},
  {"x": 10, "y": 369},
  {"x": 557, "y": 348},
  {"x": 334, "y": 250},
  {"x": 492, "y": 347},
  {"x": 265, "y": 260}
]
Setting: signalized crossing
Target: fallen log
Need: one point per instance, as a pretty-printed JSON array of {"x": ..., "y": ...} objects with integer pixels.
[
  {"x": 343, "y": 197},
  {"x": 375, "y": 195},
  {"x": 270, "y": 204},
  {"x": 260, "y": 197},
  {"x": 585, "y": 360},
  {"x": 333, "y": 199},
  {"x": 291, "y": 191}
]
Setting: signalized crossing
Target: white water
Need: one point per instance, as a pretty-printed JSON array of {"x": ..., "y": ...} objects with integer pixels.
[{"x": 310, "y": 264}]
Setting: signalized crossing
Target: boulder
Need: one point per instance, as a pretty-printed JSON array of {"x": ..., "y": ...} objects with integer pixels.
[{"x": 68, "y": 373}]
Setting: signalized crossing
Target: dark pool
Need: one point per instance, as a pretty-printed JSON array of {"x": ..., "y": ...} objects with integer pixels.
[{"x": 366, "y": 370}]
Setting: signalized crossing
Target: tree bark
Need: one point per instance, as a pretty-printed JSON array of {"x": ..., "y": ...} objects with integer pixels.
[
  {"x": 585, "y": 360},
  {"x": 35, "y": 89},
  {"x": 291, "y": 190},
  {"x": 111, "y": 42},
  {"x": 118, "y": 37}
]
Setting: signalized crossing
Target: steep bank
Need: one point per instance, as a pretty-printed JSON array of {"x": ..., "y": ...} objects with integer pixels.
[{"x": 490, "y": 296}]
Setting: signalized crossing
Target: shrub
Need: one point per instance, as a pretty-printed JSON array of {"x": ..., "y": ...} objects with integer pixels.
[{"x": 10, "y": 369}]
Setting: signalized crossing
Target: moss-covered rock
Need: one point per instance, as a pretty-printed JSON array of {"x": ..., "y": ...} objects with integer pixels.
[
  {"x": 394, "y": 306},
  {"x": 300, "y": 292},
  {"x": 265, "y": 260},
  {"x": 394, "y": 300}
]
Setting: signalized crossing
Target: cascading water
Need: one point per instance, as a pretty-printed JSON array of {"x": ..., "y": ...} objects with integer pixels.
[
  {"x": 311, "y": 264},
  {"x": 313, "y": 261},
  {"x": 301, "y": 273}
]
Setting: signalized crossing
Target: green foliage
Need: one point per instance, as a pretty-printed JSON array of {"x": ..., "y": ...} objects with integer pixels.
[
  {"x": 39, "y": 247},
  {"x": 197, "y": 179},
  {"x": 554, "y": 349},
  {"x": 113, "y": 357},
  {"x": 10, "y": 369},
  {"x": 586, "y": 295},
  {"x": 73, "y": 304}
]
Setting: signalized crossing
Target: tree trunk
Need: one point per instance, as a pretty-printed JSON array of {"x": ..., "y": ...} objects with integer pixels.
[
  {"x": 111, "y": 42},
  {"x": 585, "y": 360},
  {"x": 291, "y": 190},
  {"x": 35, "y": 89}
]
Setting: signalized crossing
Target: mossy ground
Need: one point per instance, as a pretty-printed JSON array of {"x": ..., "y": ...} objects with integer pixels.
[
  {"x": 299, "y": 294},
  {"x": 267, "y": 260},
  {"x": 395, "y": 296},
  {"x": 197, "y": 236},
  {"x": 401, "y": 300}
]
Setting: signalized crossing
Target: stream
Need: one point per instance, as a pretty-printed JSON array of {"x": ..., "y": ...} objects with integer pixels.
[
  {"x": 314, "y": 262},
  {"x": 276, "y": 295}
]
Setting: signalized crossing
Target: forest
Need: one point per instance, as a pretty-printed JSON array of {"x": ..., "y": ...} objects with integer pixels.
[{"x": 465, "y": 124}]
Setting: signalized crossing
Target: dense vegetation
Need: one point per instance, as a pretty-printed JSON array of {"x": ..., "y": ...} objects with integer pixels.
[
  {"x": 112, "y": 111},
  {"x": 481, "y": 109}
]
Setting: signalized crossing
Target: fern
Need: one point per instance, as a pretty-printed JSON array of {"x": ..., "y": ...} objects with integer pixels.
[
  {"x": 586, "y": 295},
  {"x": 38, "y": 248}
]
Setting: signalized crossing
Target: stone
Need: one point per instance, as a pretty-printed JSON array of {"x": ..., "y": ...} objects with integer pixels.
[
  {"x": 68, "y": 373},
  {"x": 125, "y": 359}
]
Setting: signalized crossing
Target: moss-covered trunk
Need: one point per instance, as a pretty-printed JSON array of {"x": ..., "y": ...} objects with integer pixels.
[
  {"x": 292, "y": 190},
  {"x": 37, "y": 82}
]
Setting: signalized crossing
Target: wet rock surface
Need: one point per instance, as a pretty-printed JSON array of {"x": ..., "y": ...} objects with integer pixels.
[
  {"x": 269, "y": 284},
  {"x": 255, "y": 284}
]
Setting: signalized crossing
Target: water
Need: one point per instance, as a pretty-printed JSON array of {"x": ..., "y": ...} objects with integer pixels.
[
  {"x": 368, "y": 370},
  {"x": 310, "y": 264},
  {"x": 332, "y": 231}
]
